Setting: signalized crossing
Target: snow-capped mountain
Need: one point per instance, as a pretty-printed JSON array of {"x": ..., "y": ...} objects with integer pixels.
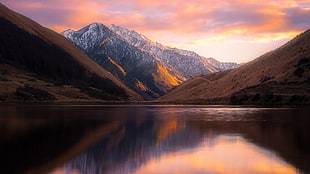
[
  {"x": 187, "y": 63},
  {"x": 222, "y": 65},
  {"x": 148, "y": 67}
]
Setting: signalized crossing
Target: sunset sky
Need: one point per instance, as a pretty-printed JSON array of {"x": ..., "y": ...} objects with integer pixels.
[{"x": 228, "y": 30}]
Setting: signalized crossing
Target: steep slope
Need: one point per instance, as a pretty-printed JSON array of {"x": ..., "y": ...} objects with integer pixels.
[
  {"x": 149, "y": 68},
  {"x": 281, "y": 76},
  {"x": 139, "y": 70},
  {"x": 187, "y": 63},
  {"x": 50, "y": 57}
]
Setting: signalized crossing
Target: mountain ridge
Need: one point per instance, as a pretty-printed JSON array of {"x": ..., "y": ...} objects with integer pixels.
[
  {"x": 48, "y": 56},
  {"x": 280, "y": 76},
  {"x": 157, "y": 50},
  {"x": 156, "y": 67}
]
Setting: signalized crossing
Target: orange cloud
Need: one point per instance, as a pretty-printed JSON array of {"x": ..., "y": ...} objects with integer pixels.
[
  {"x": 198, "y": 16},
  {"x": 179, "y": 20}
]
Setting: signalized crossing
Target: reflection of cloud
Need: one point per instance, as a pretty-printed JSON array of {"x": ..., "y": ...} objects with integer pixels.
[
  {"x": 188, "y": 144},
  {"x": 137, "y": 145},
  {"x": 236, "y": 156}
]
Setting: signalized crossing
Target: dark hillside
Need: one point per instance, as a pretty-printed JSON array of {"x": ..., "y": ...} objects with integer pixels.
[{"x": 27, "y": 45}]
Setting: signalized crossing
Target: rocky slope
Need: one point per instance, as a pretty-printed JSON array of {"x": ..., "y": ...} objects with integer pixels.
[
  {"x": 36, "y": 62},
  {"x": 149, "y": 68},
  {"x": 281, "y": 76},
  {"x": 188, "y": 63}
]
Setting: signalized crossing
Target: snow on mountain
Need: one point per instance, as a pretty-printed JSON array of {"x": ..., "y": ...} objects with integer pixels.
[
  {"x": 148, "y": 67},
  {"x": 187, "y": 63},
  {"x": 88, "y": 37},
  {"x": 222, "y": 65}
]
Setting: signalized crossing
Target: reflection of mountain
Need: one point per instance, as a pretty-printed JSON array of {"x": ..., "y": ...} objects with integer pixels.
[
  {"x": 132, "y": 146},
  {"x": 36, "y": 139},
  {"x": 284, "y": 132},
  {"x": 148, "y": 134},
  {"x": 126, "y": 151}
]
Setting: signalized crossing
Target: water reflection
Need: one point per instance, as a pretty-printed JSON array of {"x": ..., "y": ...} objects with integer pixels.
[
  {"x": 184, "y": 148},
  {"x": 156, "y": 139},
  {"x": 228, "y": 154}
]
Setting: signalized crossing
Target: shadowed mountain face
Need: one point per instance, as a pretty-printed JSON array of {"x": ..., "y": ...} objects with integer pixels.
[
  {"x": 49, "y": 57},
  {"x": 281, "y": 76},
  {"x": 149, "y": 68}
]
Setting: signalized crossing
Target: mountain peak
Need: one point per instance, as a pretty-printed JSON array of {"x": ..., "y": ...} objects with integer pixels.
[
  {"x": 67, "y": 32},
  {"x": 41, "y": 52},
  {"x": 137, "y": 60},
  {"x": 129, "y": 35},
  {"x": 95, "y": 26},
  {"x": 278, "y": 77},
  {"x": 96, "y": 23},
  {"x": 88, "y": 37}
]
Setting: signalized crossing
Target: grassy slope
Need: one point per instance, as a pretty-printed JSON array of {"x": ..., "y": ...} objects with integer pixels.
[
  {"x": 279, "y": 76},
  {"x": 29, "y": 46}
]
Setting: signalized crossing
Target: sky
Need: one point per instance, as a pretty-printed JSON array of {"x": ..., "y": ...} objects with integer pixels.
[{"x": 228, "y": 30}]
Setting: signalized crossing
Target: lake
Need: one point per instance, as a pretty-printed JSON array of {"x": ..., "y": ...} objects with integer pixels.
[{"x": 151, "y": 139}]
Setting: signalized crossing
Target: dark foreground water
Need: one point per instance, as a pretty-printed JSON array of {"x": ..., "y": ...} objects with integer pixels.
[{"x": 153, "y": 139}]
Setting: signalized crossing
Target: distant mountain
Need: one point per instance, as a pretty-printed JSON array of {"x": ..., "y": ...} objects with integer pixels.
[
  {"x": 38, "y": 64},
  {"x": 188, "y": 63},
  {"x": 281, "y": 76},
  {"x": 149, "y": 68},
  {"x": 221, "y": 66}
]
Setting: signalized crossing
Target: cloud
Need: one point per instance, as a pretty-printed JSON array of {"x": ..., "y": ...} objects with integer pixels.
[
  {"x": 194, "y": 22},
  {"x": 298, "y": 17},
  {"x": 196, "y": 16}
]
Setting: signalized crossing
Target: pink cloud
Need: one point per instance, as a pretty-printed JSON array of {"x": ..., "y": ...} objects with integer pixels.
[
  {"x": 206, "y": 26},
  {"x": 195, "y": 16}
]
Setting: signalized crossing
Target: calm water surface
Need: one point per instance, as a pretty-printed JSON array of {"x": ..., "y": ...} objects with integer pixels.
[{"x": 149, "y": 139}]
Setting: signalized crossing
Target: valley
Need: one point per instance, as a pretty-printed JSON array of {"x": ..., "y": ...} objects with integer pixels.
[{"x": 99, "y": 64}]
